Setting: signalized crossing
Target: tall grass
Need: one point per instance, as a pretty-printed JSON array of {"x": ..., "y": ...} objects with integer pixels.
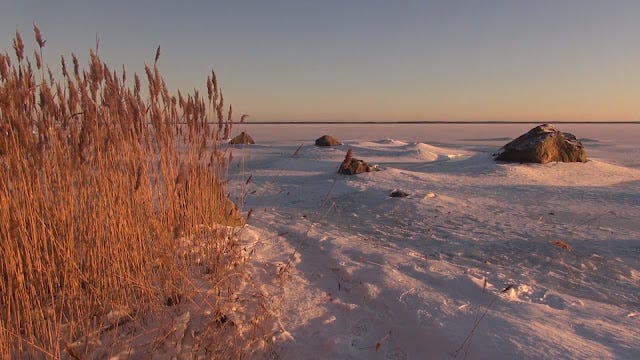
[{"x": 100, "y": 183}]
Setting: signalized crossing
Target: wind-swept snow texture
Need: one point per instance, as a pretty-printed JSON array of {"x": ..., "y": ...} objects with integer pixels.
[{"x": 472, "y": 264}]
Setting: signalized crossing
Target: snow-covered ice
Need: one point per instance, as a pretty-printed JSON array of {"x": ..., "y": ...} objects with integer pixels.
[{"x": 470, "y": 265}]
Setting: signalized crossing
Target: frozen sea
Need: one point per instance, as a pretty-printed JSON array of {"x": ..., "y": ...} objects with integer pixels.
[
  {"x": 482, "y": 260},
  {"x": 614, "y": 142}
]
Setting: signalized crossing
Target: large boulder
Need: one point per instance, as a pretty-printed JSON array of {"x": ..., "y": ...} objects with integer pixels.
[
  {"x": 327, "y": 140},
  {"x": 543, "y": 144},
  {"x": 243, "y": 138},
  {"x": 352, "y": 166}
]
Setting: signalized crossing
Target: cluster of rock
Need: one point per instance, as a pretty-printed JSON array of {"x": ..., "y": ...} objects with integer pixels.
[
  {"x": 543, "y": 144},
  {"x": 350, "y": 165},
  {"x": 324, "y": 140}
]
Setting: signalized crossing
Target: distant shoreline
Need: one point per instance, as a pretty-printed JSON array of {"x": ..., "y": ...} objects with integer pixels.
[{"x": 432, "y": 122}]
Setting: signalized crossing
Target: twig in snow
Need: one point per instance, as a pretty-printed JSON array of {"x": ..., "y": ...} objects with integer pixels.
[
  {"x": 466, "y": 344},
  {"x": 561, "y": 244}
]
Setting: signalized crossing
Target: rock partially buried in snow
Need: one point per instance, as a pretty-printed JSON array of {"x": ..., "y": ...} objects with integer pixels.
[
  {"x": 352, "y": 166},
  {"x": 398, "y": 193},
  {"x": 327, "y": 140},
  {"x": 356, "y": 166},
  {"x": 543, "y": 144},
  {"x": 243, "y": 138}
]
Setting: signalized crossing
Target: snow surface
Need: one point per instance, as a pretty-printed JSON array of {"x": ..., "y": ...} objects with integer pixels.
[{"x": 472, "y": 264}]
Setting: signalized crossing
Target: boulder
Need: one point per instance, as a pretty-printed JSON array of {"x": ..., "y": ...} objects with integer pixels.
[
  {"x": 327, "y": 140},
  {"x": 243, "y": 138},
  {"x": 543, "y": 144},
  {"x": 352, "y": 166}
]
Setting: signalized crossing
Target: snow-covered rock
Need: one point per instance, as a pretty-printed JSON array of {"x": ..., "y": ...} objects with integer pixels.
[{"x": 543, "y": 144}]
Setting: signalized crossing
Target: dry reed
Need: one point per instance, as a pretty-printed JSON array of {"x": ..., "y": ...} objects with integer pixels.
[
  {"x": 562, "y": 245},
  {"x": 100, "y": 186}
]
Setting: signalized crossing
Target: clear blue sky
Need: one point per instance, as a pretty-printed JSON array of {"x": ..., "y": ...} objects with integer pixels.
[{"x": 541, "y": 60}]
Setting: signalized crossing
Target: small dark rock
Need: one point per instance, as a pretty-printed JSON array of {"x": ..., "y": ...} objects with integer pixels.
[{"x": 398, "y": 193}]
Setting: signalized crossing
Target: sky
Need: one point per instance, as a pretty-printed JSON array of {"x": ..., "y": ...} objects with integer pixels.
[{"x": 366, "y": 60}]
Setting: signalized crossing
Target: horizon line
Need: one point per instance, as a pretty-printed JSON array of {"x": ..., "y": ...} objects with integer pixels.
[{"x": 435, "y": 122}]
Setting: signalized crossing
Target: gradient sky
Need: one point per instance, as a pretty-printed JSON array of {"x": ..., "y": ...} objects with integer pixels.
[{"x": 537, "y": 60}]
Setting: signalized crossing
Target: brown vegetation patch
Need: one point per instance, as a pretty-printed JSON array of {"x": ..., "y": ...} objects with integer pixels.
[{"x": 105, "y": 190}]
